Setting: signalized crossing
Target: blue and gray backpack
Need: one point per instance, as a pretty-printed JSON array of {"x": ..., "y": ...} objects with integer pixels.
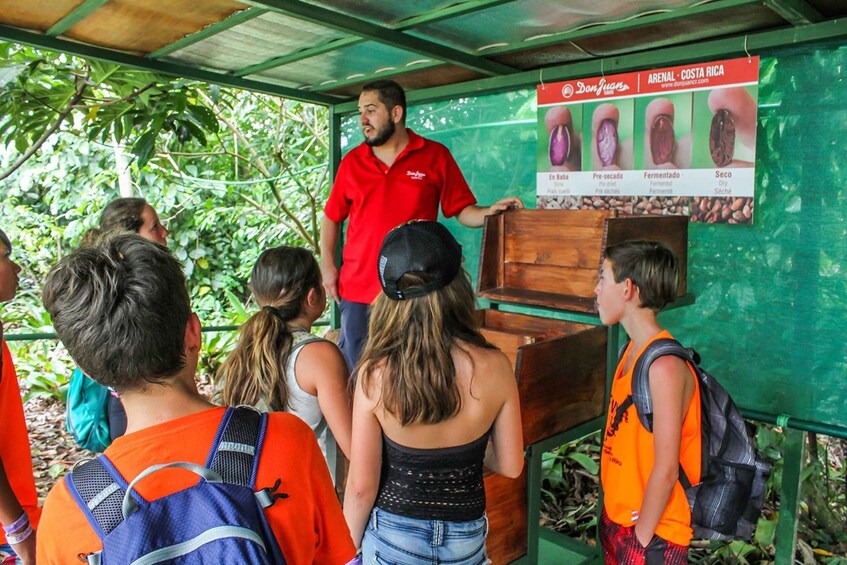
[
  {"x": 727, "y": 501},
  {"x": 219, "y": 520}
]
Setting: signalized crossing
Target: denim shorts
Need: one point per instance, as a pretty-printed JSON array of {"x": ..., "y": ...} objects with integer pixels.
[{"x": 391, "y": 539}]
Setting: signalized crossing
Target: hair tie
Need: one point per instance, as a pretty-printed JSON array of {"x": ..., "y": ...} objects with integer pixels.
[{"x": 275, "y": 311}]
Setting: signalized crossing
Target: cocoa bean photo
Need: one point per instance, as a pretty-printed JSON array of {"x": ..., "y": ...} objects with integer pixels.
[
  {"x": 722, "y": 138},
  {"x": 560, "y": 145},
  {"x": 662, "y": 139},
  {"x": 729, "y": 210},
  {"x": 607, "y": 142}
]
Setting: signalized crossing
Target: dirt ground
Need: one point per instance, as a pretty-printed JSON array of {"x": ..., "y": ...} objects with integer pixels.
[{"x": 53, "y": 449}]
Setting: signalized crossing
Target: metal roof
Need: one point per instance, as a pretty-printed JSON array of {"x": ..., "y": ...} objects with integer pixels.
[{"x": 322, "y": 51}]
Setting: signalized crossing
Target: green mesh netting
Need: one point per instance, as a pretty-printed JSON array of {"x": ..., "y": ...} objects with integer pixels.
[{"x": 770, "y": 299}]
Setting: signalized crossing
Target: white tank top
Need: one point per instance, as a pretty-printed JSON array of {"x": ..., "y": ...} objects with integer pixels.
[{"x": 305, "y": 405}]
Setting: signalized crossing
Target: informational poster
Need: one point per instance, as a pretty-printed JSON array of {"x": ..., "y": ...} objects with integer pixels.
[{"x": 677, "y": 140}]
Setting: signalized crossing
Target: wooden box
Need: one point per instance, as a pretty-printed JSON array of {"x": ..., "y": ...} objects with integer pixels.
[
  {"x": 506, "y": 507},
  {"x": 552, "y": 258},
  {"x": 560, "y": 367}
]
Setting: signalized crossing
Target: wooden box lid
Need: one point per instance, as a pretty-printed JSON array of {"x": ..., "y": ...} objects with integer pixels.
[{"x": 552, "y": 258}]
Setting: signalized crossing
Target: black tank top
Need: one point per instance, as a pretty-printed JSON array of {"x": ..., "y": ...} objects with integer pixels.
[{"x": 434, "y": 484}]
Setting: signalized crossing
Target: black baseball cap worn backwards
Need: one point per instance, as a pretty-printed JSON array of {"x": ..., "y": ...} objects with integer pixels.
[{"x": 419, "y": 246}]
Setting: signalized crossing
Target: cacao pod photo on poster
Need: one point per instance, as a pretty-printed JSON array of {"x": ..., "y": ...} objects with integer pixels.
[
  {"x": 608, "y": 128},
  {"x": 663, "y": 126},
  {"x": 561, "y": 127},
  {"x": 724, "y": 127}
]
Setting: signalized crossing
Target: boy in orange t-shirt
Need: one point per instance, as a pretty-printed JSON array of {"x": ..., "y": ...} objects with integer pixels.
[
  {"x": 121, "y": 307},
  {"x": 646, "y": 517},
  {"x": 19, "y": 510}
]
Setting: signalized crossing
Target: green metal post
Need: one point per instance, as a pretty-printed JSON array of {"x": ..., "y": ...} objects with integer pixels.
[
  {"x": 789, "y": 497},
  {"x": 533, "y": 501}
]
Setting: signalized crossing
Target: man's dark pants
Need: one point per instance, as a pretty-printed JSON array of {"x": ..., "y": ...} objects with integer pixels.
[{"x": 354, "y": 331}]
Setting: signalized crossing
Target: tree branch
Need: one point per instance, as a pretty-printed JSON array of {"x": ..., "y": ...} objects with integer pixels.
[
  {"x": 32, "y": 149},
  {"x": 113, "y": 101}
]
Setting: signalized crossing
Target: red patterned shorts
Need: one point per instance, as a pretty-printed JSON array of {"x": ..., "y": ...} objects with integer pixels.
[{"x": 621, "y": 546}]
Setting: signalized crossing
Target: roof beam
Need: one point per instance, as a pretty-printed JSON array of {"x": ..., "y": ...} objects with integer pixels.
[
  {"x": 208, "y": 31},
  {"x": 796, "y": 12},
  {"x": 653, "y": 19},
  {"x": 381, "y": 34},
  {"x": 75, "y": 16},
  {"x": 667, "y": 56},
  {"x": 453, "y": 11},
  {"x": 91, "y": 52}
]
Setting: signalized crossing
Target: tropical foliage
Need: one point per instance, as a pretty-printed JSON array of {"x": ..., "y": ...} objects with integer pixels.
[{"x": 230, "y": 173}]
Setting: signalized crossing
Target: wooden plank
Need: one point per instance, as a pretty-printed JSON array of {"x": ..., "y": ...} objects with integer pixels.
[
  {"x": 536, "y": 298},
  {"x": 579, "y": 248},
  {"x": 552, "y": 236},
  {"x": 552, "y": 220},
  {"x": 505, "y": 505},
  {"x": 490, "y": 260},
  {"x": 561, "y": 382},
  {"x": 548, "y": 278},
  {"x": 507, "y": 342},
  {"x": 535, "y": 326}
]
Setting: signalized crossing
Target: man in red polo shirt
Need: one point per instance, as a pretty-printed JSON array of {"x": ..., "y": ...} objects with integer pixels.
[{"x": 393, "y": 177}]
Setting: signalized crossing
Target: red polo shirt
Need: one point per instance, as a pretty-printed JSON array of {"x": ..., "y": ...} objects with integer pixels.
[{"x": 377, "y": 198}]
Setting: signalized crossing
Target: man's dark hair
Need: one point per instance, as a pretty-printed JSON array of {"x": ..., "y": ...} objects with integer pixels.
[
  {"x": 651, "y": 266},
  {"x": 390, "y": 93},
  {"x": 121, "y": 307}
]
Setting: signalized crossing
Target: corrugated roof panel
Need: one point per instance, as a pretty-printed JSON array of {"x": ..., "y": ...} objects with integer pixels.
[
  {"x": 35, "y": 15},
  {"x": 265, "y": 37},
  {"x": 738, "y": 20},
  {"x": 145, "y": 25},
  {"x": 555, "y": 54},
  {"x": 515, "y": 22},
  {"x": 415, "y": 80},
  {"x": 368, "y": 60},
  {"x": 379, "y": 11}
]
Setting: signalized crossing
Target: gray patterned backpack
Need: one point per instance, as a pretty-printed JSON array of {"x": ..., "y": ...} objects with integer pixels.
[{"x": 728, "y": 500}]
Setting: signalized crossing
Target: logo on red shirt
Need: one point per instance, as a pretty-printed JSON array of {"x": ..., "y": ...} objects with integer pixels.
[{"x": 416, "y": 175}]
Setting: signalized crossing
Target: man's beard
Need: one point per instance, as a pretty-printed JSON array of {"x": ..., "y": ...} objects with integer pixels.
[{"x": 382, "y": 135}]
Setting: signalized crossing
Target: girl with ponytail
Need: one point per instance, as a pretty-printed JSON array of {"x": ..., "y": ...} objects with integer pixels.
[{"x": 278, "y": 365}]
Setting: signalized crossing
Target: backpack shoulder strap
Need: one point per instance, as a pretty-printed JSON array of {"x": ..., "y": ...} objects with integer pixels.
[
  {"x": 98, "y": 489},
  {"x": 238, "y": 444},
  {"x": 640, "y": 375},
  {"x": 641, "y": 384}
]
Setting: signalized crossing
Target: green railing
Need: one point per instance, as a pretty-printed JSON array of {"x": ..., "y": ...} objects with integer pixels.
[{"x": 205, "y": 329}]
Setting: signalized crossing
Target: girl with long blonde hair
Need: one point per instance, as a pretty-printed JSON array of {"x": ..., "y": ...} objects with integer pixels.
[{"x": 433, "y": 400}]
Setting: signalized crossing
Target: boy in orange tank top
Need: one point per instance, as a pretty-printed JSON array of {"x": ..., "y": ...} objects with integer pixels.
[{"x": 646, "y": 517}]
